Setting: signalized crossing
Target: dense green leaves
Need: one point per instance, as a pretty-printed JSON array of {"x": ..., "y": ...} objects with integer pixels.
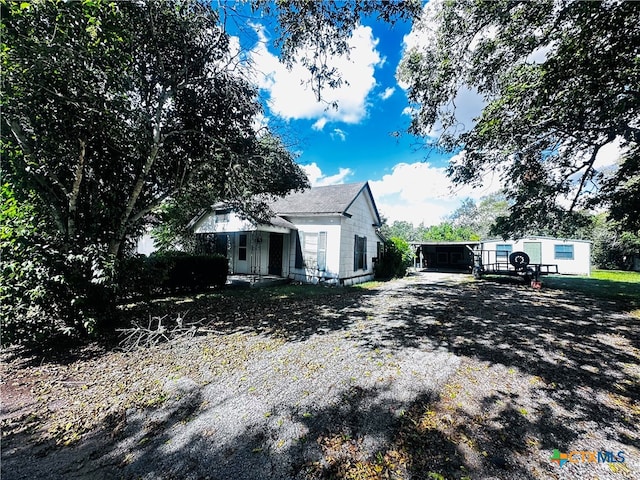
[
  {"x": 110, "y": 109},
  {"x": 398, "y": 256},
  {"x": 46, "y": 290},
  {"x": 560, "y": 81},
  {"x": 611, "y": 248},
  {"x": 135, "y": 105},
  {"x": 445, "y": 231}
]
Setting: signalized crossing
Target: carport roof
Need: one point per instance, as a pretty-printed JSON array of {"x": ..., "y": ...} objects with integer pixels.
[{"x": 445, "y": 242}]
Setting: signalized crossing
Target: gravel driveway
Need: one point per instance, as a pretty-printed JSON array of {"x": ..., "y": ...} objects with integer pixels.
[{"x": 430, "y": 375}]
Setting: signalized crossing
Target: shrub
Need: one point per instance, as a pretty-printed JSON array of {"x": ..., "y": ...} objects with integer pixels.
[
  {"x": 49, "y": 287},
  {"x": 171, "y": 272},
  {"x": 193, "y": 273},
  {"x": 397, "y": 257},
  {"x": 49, "y": 290}
]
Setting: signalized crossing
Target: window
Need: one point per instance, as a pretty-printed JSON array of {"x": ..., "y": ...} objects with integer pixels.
[
  {"x": 360, "y": 253},
  {"x": 563, "y": 252},
  {"x": 503, "y": 251},
  {"x": 222, "y": 216},
  {"x": 242, "y": 247},
  {"x": 312, "y": 251}
]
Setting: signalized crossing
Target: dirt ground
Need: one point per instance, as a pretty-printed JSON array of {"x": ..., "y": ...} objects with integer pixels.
[{"x": 434, "y": 376}]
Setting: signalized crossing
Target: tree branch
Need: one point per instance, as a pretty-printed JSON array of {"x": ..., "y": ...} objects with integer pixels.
[
  {"x": 585, "y": 176},
  {"x": 141, "y": 213},
  {"x": 75, "y": 191},
  {"x": 114, "y": 246},
  {"x": 40, "y": 179}
]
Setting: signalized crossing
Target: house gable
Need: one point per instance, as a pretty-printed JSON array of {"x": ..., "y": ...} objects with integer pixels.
[
  {"x": 337, "y": 215},
  {"x": 365, "y": 192}
]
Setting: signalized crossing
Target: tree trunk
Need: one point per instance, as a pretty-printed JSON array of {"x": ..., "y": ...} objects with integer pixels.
[
  {"x": 75, "y": 191},
  {"x": 116, "y": 242}
]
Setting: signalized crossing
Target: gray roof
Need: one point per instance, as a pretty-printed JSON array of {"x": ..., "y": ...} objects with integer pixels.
[
  {"x": 334, "y": 199},
  {"x": 281, "y": 222},
  {"x": 329, "y": 200}
]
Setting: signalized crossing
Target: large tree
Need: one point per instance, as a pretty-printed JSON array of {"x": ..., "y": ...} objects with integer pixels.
[
  {"x": 560, "y": 81},
  {"x": 110, "y": 109},
  {"x": 481, "y": 217},
  {"x": 116, "y": 107}
]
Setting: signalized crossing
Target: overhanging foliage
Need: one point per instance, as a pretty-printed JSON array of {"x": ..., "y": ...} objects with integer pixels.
[{"x": 560, "y": 80}]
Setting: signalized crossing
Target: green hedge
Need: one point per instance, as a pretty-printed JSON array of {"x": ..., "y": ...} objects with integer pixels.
[
  {"x": 398, "y": 256},
  {"x": 171, "y": 272}
]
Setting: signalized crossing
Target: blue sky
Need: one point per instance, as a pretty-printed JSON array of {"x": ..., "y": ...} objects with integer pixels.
[{"x": 354, "y": 142}]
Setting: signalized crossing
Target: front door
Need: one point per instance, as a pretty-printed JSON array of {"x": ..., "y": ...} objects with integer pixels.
[
  {"x": 534, "y": 250},
  {"x": 275, "y": 253}
]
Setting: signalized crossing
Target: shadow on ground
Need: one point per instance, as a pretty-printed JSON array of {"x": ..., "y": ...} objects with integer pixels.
[{"x": 561, "y": 368}]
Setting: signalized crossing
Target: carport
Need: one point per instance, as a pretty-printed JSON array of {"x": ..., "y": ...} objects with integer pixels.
[{"x": 443, "y": 255}]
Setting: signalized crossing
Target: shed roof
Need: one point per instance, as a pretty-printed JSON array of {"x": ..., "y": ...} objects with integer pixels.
[{"x": 535, "y": 237}]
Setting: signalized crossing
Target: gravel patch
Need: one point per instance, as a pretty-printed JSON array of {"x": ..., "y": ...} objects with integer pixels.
[{"x": 430, "y": 375}]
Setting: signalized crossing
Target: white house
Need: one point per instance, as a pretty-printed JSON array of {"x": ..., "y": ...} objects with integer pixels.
[
  {"x": 571, "y": 256},
  {"x": 323, "y": 234}
]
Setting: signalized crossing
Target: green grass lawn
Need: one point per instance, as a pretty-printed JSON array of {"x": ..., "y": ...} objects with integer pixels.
[
  {"x": 608, "y": 284},
  {"x": 616, "y": 276}
]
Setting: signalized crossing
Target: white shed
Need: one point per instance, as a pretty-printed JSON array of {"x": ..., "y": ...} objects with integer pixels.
[{"x": 571, "y": 256}]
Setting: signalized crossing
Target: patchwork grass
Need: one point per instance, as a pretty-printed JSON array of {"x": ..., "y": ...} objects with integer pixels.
[{"x": 614, "y": 285}]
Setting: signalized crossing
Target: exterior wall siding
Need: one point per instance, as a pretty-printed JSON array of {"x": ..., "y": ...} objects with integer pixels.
[
  {"x": 340, "y": 234},
  {"x": 360, "y": 223},
  {"x": 309, "y": 274},
  {"x": 231, "y": 222},
  {"x": 258, "y": 240}
]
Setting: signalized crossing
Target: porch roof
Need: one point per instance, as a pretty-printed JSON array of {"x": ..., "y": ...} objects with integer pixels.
[{"x": 281, "y": 222}]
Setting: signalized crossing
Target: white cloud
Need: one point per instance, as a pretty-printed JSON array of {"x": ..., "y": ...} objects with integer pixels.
[
  {"x": 387, "y": 93},
  {"x": 610, "y": 154},
  {"x": 260, "y": 122},
  {"x": 408, "y": 111},
  {"x": 424, "y": 30},
  {"x": 291, "y": 98},
  {"x": 338, "y": 133},
  {"x": 421, "y": 193},
  {"x": 467, "y": 105},
  {"x": 319, "y": 179},
  {"x": 319, "y": 124},
  {"x": 313, "y": 172}
]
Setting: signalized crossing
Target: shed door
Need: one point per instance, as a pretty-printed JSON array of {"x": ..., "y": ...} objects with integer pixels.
[{"x": 534, "y": 250}]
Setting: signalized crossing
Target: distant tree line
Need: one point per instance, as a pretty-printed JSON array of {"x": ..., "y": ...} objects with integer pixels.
[{"x": 612, "y": 248}]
